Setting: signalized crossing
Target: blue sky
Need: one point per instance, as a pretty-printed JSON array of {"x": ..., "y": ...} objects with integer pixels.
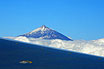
[{"x": 79, "y": 19}]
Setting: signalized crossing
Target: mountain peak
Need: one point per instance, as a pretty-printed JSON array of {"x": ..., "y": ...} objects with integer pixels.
[
  {"x": 44, "y": 32},
  {"x": 43, "y": 26}
]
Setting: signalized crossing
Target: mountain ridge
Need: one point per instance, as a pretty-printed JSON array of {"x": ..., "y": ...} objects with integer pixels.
[{"x": 44, "y": 32}]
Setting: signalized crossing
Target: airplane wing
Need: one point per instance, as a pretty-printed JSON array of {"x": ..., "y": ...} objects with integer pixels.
[{"x": 21, "y": 55}]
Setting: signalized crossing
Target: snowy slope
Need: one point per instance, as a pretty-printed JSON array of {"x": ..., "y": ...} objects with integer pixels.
[{"x": 45, "y": 33}]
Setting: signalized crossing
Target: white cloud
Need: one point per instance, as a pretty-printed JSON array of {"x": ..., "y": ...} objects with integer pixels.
[
  {"x": 94, "y": 47},
  {"x": 21, "y": 38}
]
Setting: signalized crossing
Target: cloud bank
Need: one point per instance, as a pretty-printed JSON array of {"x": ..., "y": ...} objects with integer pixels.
[{"x": 94, "y": 47}]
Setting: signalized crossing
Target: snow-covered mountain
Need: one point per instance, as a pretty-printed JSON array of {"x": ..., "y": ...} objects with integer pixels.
[
  {"x": 40, "y": 36},
  {"x": 45, "y": 33}
]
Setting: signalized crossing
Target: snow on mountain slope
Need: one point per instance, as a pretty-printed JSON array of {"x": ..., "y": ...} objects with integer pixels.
[
  {"x": 94, "y": 47},
  {"x": 45, "y": 33}
]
